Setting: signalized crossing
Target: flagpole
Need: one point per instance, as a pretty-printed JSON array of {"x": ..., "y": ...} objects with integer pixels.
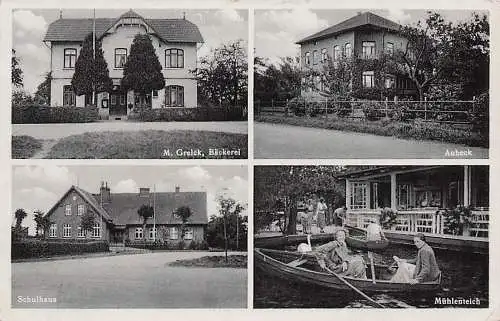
[
  {"x": 94, "y": 102},
  {"x": 154, "y": 212}
]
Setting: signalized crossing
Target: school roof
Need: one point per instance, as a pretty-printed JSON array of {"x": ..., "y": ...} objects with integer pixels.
[
  {"x": 169, "y": 30},
  {"x": 122, "y": 207},
  {"x": 362, "y": 19}
]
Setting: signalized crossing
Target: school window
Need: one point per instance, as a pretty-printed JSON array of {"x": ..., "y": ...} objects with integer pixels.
[
  {"x": 80, "y": 232},
  {"x": 337, "y": 53},
  {"x": 174, "y": 233},
  {"x": 348, "y": 50},
  {"x": 174, "y": 96},
  {"x": 81, "y": 209},
  {"x": 389, "y": 48},
  {"x": 113, "y": 99},
  {"x": 307, "y": 58},
  {"x": 69, "y": 58},
  {"x": 69, "y": 96},
  {"x": 67, "y": 209},
  {"x": 324, "y": 55},
  {"x": 368, "y": 49},
  {"x": 358, "y": 195},
  {"x": 122, "y": 99},
  {"x": 315, "y": 57},
  {"x": 174, "y": 58},
  {"x": 390, "y": 82},
  {"x": 368, "y": 79},
  {"x": 188, "y": 234},
  {"x": 120, "y": 57},
  {"x": 53, "y": 230},
  {"x": 152, "y": 233},
  {"x": 138, "y": 233},
  {"x": 96, "y": 230},
  {"x": 66, "y": 230}
]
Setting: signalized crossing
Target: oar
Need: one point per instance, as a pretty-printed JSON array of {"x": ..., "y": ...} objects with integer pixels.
[
  {"x": 370, "y": 256},
  {"x": 355, "y": 288}
]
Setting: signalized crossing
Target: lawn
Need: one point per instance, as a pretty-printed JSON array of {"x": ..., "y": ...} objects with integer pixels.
[
  {"x": 25, "y": 146},
  {"x": 151, "y": 144},
  {"x": 233, "y": 261},
  {"x": 413, "y": 130}
]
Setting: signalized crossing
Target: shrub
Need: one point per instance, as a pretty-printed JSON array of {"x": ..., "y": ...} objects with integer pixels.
[
  {"x": 480, "y": 117},
  {"x": 388, "y": 217},
  {"x": 456, "y": 219},
  {"x": 34, "y": 114},
  {"x": 45, "y": 248},
  {"x": 373, "y": 110},
  {"x": 403, "y": 112},
  {"x": 188, "y": 114}
]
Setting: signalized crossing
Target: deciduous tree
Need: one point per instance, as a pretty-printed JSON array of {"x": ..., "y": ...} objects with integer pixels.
[
  {"x": 42, "y": 94},
  {"x": 228, "y": 207},
  {"x": 183, "y": 213},
  {"x": 145, "y": 211},
  {"x": 87, "y": 223},
  {"x": 17, "y": 73},
  {"x": 20, "y": 215}
]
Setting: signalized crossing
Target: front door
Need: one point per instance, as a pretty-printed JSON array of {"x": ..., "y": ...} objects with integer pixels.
[{"x": 117, "y": 103}]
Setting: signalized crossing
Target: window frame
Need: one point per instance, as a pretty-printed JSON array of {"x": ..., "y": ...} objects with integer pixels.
[
  {"x": 96, "y": 228},
  {"x": 68, "y": 90},
  {"x": 174, "y": 231},
  {"x": 373, "y": 49},
  {"x": 179, "y": 57},
  {"x": 70, "y": 58},
  {"x": 324, "y": 55},
  {"x": 80, "y": 232},
  {"x": 315, "y": 57},
  {"x": 348, "y": 54},
  {"x": 363, "y": 203},
  {"x": 139, "y": 231},
  {"x": 307, "y": 58},
  {"x": 150, "y": 233},
  {"x": 179, "y": 96},
  {"x": 393, "y": 79},
  {"x": 389, "y": 48},
  {"x": 66, "y": 231},
  {"x": 67, "y": 209},
  {"x": 368, "y": 74},
  {"x": 53, "y": 230},
  {"x": 189, "y": 232},
  {"x": 337, "y": 53},
  {"x": 82, "y": 207},
  {"x": 117, "y": 65}
]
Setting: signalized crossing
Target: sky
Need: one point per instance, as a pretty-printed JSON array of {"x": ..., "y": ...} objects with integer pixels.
[
  {"x": 40, "y": 187},
  {"x": 276, "y": 31},
  {"x": 30, "y": 26}
]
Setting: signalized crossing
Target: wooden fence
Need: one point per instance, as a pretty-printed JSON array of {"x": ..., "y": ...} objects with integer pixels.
[{"x": 441, "y": 111}]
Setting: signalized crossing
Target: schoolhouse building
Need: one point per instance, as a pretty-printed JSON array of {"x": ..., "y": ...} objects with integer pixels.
[
  {"x": 362, "y": 39},
  {"x": 116, "y": 217},
  {"x": 175, "y": 41}
]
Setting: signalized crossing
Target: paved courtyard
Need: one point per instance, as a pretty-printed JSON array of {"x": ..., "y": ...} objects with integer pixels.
[
  {"x": 57, "y": 131},
  {"x": 284, "y": 141},
  {"x": 128, "y": 281}
]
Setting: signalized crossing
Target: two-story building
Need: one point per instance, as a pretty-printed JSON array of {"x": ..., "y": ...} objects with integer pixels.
[
  {"x": 175, "y": 41},
  {"x": 116, "y": 217},
  {"x": 362, "y": 39}
]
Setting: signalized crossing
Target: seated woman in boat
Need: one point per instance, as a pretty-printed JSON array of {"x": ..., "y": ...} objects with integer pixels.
[
  {"x": 423, "y": 268},
  {"x": 374, "y": 231},
  {"x": 335, "y": 256}
]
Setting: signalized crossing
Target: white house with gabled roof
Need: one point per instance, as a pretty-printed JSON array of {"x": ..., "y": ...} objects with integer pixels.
[{"x": 176, "y": 42}]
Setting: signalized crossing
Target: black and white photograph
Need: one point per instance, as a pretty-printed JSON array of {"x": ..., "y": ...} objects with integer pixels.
[
  {"x": 129, "y": 237},
  {"x": 371, "y": 236},
  {"x": 370, "y": 84},
  {"x": 137, "y": 83}
]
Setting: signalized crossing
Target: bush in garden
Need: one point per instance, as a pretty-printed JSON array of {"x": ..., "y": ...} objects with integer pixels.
[
  {"x": 37, "y": 248},
  {"x": 35, "y": 114},
  {"x": 373, "y": 110},
  {"x": 388, "y": 217},
  {"x": 480, "y": 117}
]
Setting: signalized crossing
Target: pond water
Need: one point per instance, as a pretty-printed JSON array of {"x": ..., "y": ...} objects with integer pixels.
[{"x": 464, "y": 275}]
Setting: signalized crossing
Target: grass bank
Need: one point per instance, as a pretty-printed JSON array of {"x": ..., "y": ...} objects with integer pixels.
[
  {"x": 25, "y": 146},
  {"x": 152, "y": 144},
  {"x": 412, "y": 130},
  {"x": 233, "y": 261}
]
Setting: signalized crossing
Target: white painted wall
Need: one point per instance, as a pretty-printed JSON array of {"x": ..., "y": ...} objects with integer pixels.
[{"x": 122, "y": 37}]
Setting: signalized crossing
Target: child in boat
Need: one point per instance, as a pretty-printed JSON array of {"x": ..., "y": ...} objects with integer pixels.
[
  {"x": 335, "y": 256},
  {"x": 423, "y": 268}
]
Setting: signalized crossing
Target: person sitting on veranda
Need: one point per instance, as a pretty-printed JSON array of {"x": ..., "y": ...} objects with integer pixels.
[
  {"x": 374, "y": 231},
  {"x": 423, "y": 268},
  {"x": 335, "y": 256}
]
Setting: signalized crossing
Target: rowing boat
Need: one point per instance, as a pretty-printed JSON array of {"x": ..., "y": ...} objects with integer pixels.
[
  {"x": 356, "y": 238},
  {"x": 303, "y": 268}
]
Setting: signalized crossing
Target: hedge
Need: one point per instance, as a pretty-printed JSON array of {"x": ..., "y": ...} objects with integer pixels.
[
  {"x": 44, "y": 115},
  {"x": 189, "y": 114},
  {"x": 45, "y": 248},
  {"x": 168, "y": 245}
]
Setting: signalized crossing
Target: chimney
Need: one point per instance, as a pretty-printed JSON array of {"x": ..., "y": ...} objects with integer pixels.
[
  {"x": 143, "y": 191},
  {"x": 177, "y": 189},
  {"x": 105, "y": 193}
]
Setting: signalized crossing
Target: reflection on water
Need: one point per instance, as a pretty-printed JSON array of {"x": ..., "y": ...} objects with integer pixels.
[{"x": 465, "y": 276}]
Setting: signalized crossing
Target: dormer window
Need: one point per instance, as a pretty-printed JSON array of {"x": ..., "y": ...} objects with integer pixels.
[
  {"x": 120, "y": 57},
  {"x": 69, "y": 58},
  {"x": 174, "y": 58}
]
